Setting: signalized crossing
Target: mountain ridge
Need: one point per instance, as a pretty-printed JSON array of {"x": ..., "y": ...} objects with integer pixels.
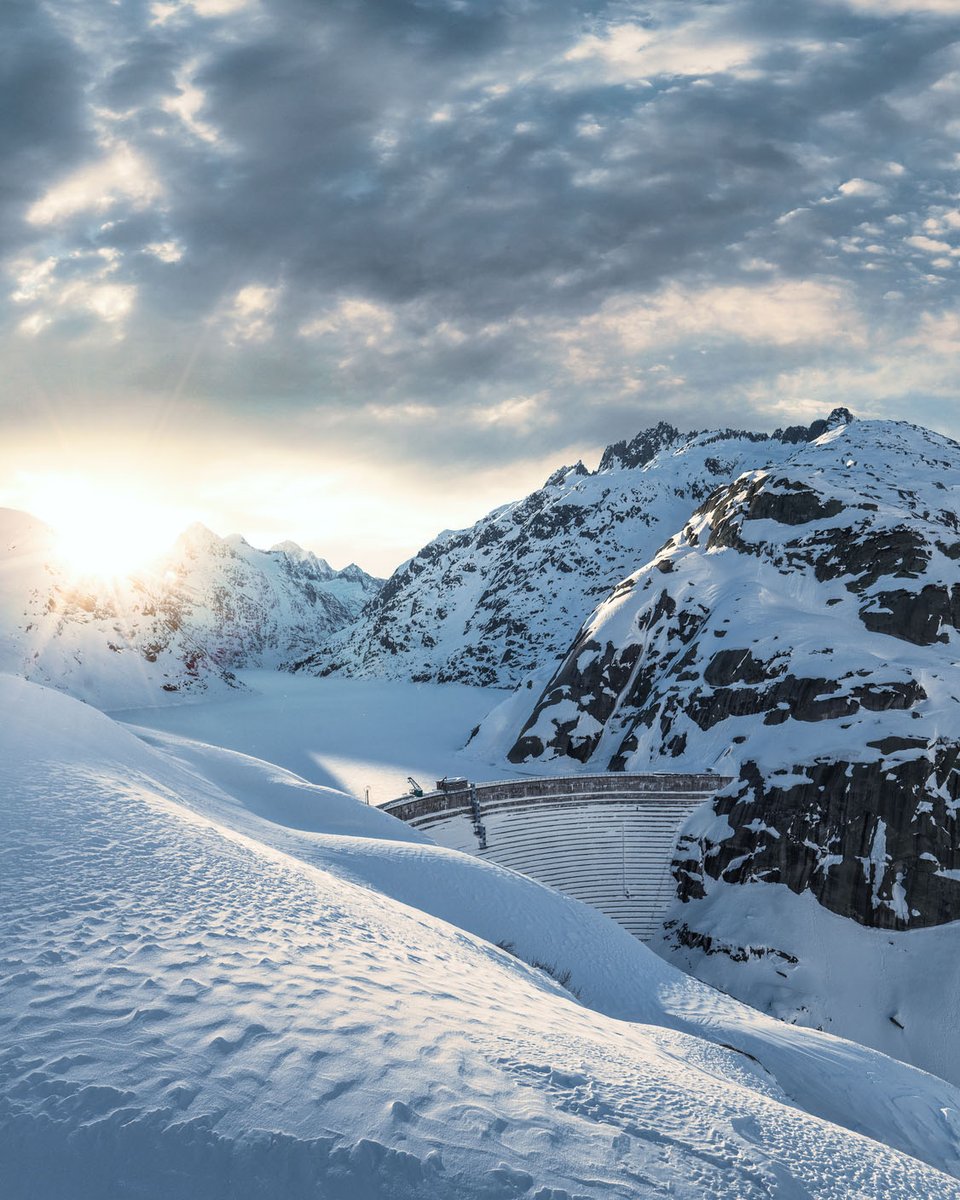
[
  {"x": 495, "y": 602},
  {"x": 801, "y": 633},
  {"x": 180, "y": 626},
  {"x": 793, "y": 625}
]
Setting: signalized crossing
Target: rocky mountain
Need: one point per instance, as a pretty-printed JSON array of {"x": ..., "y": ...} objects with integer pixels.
[
  {"x": 495, "y": 602},
  {"x": 801, "y": 632},
  {"x": 208, "y": 608}
]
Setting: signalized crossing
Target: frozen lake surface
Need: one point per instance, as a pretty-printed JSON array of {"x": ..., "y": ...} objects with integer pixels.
[{"x": 350, "y": 734}]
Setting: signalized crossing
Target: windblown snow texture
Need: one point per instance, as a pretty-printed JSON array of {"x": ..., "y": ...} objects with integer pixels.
[
  {"x": 493, "y": 603},
  {"x": 212, "y": 606},
  {"x": 221, "y": 981}
]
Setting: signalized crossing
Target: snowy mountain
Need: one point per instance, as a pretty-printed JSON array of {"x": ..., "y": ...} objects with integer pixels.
[
  {"x": 211, "y": 606},
  {"x": 802, "y": 633},
  {"x": 493, "y": 603},
  {"x": 224, "y": 981}
]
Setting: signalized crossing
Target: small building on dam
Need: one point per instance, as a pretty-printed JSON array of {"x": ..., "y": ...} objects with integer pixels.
[{"x": 608, "y": 840}]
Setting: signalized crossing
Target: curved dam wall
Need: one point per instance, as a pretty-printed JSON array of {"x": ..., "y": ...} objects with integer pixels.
[{"x": 607, "y": 840}]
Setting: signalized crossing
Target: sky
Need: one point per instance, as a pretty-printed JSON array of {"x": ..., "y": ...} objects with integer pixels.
[{"x": 354, "y": 271}]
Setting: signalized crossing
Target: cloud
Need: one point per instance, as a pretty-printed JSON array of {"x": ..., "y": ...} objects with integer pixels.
[
  {"x": 931, "y": 246},
  {"x": 165, "y": 10},
  {"x": 169, "y": 251},
  {"x": 632, "y": 52},
  {"x": 247, "y": 315},
  {"x": 468, "y": 232},
  {"x": 518, "y": 412},
  {"x": 353, "y": 315},
  {"x": 82, "y": 283},
  {"x": 188, "y": 103},
  {"x": 863, "y": 187},
  {"x": 780, "y": 313},
  {"x": 898, "y": 8},
  {"x": 938, "y": 333},
  {"x": 122, "y": 175}
]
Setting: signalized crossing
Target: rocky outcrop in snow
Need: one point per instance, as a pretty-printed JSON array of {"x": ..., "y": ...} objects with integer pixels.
[
  {"x": 495, "y": 602},
  {"x": 801, "y": 633},
  {"x": 210, "y": 607}
]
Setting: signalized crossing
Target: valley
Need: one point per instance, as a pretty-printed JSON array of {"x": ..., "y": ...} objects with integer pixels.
[{"x": 782, "y": 620}]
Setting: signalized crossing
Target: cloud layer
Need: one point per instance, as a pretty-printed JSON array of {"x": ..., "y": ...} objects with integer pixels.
[{"x": 464, "y": 231}]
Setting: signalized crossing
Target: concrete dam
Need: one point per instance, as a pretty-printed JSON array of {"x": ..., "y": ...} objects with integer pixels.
[{"x": 607, "y": 840}]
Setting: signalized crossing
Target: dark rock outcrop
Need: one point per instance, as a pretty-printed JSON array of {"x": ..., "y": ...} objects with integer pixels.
[{"x": 876, "y": 841}]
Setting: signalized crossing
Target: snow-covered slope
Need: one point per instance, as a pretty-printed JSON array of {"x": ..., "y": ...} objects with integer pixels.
[
  {"x": 211, "y": 606},
  {"x": 500, "y": 600},
  {"x": 802, "y": 633},
  {"x": 787, "y": 955},
  {"x": 205, "y": 994}
]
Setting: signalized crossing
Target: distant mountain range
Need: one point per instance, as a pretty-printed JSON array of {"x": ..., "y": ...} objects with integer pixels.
[{"x": 182, "y": 626}]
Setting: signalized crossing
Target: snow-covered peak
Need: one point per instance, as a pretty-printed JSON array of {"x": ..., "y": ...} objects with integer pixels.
[
  {"x": 19, "y": 529},
  {"x": 801, "y": 633},
  {"x": 296, "y": 553},
  {"x": 182, "y": 624},
  {"x": 840, "y": 416},
  {"x": 641, "y": 449},
  {"x": 354, "y": 573},
  {"x": 500, "y": 600}
]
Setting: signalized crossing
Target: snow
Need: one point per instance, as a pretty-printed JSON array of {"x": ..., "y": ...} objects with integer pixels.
[
  {"x": 343, "y": 733},
  {"x": 213, "y": 987},
  {"x": 792, "y": 594},
  {"x": 774, "y": 604},
  {"x": 179, "y": 626},
  {"x": 502, "y": 599},
  {"x": 875, "y": 864},
  {"x": 848, "y": 979},
  {"x": 222, "y": 976}
]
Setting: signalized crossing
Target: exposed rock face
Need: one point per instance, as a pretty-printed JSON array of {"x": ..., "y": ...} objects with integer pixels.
[
  {"x": 211, "y": 607},
  {"x": 876, "y": 841},
  {"x": 495, "y": 602},
  {"x": 802, "y": 633}
]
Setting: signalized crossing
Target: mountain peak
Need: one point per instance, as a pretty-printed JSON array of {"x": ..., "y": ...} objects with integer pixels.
[
  {"x": 198, "y": 537},
  {"x": 291, "y": 550},
  {"x": 495, "y": 602},
  {"x": 563, "y": 473},
  {"x": 642, "y": 448}
]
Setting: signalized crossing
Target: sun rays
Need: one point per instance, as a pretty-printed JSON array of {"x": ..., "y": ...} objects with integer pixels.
[{"x": 104, "y": 529}]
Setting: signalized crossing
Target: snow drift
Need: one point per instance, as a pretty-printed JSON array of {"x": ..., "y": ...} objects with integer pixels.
[{"x": 206, "y": 994}]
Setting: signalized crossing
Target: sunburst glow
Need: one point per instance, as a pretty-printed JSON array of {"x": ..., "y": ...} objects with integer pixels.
[{"x": 104, "y": 529}]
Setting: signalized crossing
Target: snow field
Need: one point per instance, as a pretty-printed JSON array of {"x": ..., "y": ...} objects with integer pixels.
[
  {"x": 349, "y": 734},
  {"x": 893, "y": 991},
  {"x": 204, "y": 995}
]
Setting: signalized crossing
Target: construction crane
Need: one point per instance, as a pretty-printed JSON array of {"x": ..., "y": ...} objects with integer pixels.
[{"x": 415, "y": 788}]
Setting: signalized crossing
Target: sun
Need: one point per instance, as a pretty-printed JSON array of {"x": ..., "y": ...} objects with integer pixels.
[{"x": 104, "y": 529}]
